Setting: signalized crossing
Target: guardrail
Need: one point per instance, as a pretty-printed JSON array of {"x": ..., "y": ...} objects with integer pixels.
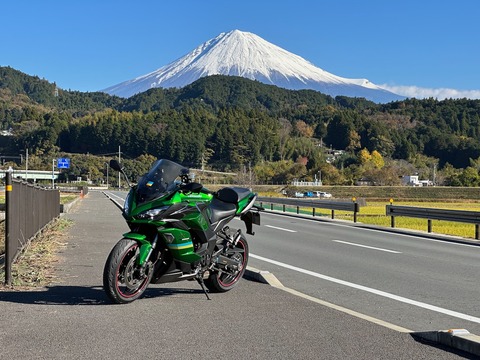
[
  {"x": 83, "y": 190},
  {"x": 332, "y": 205},
  {"x": 471, "y": 217}
]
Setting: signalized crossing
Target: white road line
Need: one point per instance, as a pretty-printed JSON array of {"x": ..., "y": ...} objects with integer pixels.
[
  {"x": 116, "y": 196},
  {"x": 279, "y": 228},
  {"x": 367, "y": 247},
  {"x": 371, "y": 290}
]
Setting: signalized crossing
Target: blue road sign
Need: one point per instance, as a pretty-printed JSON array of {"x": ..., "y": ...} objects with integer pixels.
[{"x": 63, "y": 163}]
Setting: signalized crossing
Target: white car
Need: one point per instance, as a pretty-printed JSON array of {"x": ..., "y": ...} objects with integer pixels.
[{"x": 322, "y": 194}]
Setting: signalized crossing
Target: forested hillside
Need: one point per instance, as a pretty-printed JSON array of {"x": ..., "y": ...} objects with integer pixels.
[{"x": 230, "y": 123}]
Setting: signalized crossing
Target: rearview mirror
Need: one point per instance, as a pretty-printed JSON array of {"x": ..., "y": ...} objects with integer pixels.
[{"x": 115, "y": 165}]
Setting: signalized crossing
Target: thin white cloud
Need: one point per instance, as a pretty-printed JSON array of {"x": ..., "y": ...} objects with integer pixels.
[{"x": 440, "y": 93}]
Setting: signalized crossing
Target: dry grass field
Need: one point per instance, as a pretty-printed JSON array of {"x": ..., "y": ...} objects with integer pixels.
[{"x": 374, "y": 214}]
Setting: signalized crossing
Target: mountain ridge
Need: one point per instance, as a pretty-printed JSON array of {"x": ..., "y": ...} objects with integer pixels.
[
  {"x": 247, "y": 55},
  {"x": 215, "y": 112}
]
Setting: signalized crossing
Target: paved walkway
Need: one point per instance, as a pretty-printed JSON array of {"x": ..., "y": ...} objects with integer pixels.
[{"x": 72, "y": 318}]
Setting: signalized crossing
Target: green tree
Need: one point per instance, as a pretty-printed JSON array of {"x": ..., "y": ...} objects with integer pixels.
[
  {"x": 338, "y": 131},
  {"x": 469, "y": 177}
]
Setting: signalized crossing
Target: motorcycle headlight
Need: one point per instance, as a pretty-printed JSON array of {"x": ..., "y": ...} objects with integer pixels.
[{"x": 152, "y": 213}]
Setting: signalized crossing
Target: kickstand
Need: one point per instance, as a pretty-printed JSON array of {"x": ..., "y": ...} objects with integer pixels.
[{"x": 200, "y": 281}]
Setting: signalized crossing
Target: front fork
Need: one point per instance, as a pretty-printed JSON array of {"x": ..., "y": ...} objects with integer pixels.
[{"x": 146, "y": 247}]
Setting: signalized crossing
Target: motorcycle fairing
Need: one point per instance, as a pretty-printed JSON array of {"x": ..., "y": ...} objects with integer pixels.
[
  {"x": 180, "y": 243},
  {"x": 145, "y": 245}
]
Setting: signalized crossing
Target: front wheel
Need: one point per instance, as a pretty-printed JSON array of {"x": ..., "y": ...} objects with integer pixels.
[
  {"x": 123, "y": 280},
  {"x": 224, "y": 280}
]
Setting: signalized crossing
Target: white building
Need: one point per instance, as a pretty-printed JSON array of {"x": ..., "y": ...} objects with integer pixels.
[{"x": 412, "y": 180}]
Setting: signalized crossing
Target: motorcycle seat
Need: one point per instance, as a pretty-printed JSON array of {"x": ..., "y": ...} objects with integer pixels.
[
  {"x": 220, "y": 210},
  {"x": 233, "y": 194}
]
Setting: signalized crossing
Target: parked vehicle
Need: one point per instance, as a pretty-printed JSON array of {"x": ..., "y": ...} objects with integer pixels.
[
  {"x": 322, "y": 194},
  {"x": 299, "y": 195},
  {"x": 179, "y": 231},
  {"x": 308, "y": 194}
]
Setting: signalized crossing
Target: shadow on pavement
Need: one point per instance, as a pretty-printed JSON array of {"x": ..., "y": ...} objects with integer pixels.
[
  {"x": 78, "y": 295},
  {"x": 419, "y": 338}
]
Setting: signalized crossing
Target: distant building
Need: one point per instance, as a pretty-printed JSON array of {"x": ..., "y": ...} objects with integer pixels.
[
  {"x": 8, "y": 132},
  {"x": 364, "y": 182},
  {"x": 412, "y": 180},
  {"x": 332, "y": 154}
]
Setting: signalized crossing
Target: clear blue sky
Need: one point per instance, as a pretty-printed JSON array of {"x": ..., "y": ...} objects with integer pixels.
[{"x": 88, "y": 45}]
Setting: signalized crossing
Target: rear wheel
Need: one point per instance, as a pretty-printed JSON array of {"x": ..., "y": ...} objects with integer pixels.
[
  {"x": 224, "y": 280},
  {"x": 123, "y": 280}
]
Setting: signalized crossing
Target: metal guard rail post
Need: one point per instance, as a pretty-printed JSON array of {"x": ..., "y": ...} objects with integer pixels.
[
  {"x": 352, "y": 206},
  {"x": 471, "y": 217}
]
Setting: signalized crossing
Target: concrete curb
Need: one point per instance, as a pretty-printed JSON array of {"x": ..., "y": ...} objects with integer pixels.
[
  {"x": 261, "y": 276},
  {"x": 65, "y": 208},
  {"x": 458, "y": 339}
]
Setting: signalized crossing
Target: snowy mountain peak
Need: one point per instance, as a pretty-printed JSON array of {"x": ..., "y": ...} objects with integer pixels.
[{"x": 245, "y": 54}]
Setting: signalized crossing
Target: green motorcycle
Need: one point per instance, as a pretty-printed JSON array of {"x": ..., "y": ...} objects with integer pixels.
[{"x": 179, "y": 231}]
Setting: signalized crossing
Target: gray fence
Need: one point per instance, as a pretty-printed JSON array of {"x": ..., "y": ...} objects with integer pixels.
[
  {"x": 471, "y": 217},
  {"x": 332, "y": 205},
  {"x": 29, "y": 209}
]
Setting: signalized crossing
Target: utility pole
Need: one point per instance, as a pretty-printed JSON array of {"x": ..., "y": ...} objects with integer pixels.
[
  {"x": 26, "y": 164},
  {"x": 119, "y": 163},
  {"x": 107, "y": 174},
  {"x": 53, "y": 173},
  {"x": 9, "y": 251},
  {"x": 250, "y": 173}
]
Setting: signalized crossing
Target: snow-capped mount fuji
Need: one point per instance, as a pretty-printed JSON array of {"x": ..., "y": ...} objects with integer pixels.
[{"x": 244, "y": 54}]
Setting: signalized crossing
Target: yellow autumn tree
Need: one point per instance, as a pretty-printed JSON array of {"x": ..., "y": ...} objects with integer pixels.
[
  {"x": 364, "y": 156},
  {"x": 354, "y": 142},
  {"x": 377, "y": 159},
  {"x": 304, "y": 129}
]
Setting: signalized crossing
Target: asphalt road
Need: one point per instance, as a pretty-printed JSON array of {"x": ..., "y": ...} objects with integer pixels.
[
  {"x": 414, "y": 282},
  {"x": 73, "y": 319}
]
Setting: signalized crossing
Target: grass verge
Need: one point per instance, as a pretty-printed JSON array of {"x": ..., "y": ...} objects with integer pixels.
[{"x": 35, "y": 266}]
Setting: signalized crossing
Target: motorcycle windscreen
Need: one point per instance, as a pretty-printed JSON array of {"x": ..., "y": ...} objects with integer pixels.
[{"x": 161, "y": 179}]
